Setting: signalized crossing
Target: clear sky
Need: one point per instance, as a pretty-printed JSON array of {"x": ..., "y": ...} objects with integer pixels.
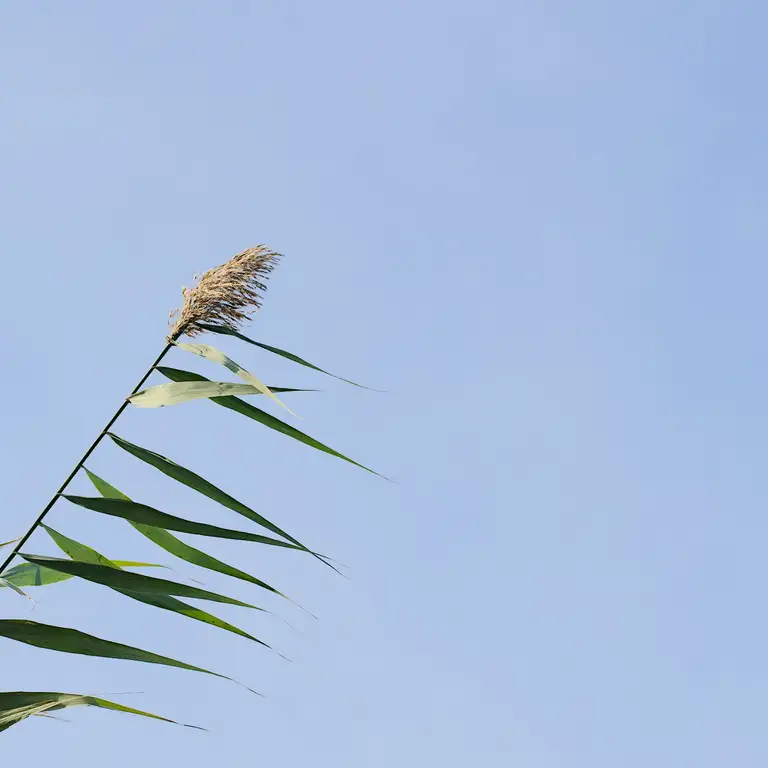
[{"x": 542, "y": 227}]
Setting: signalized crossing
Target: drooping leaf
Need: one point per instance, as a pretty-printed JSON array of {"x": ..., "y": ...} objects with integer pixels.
[
  {"x": 201, "y": 485},
  {"x": 288, "y": 355},
  {"x": 35, "y": 575},
  {"x": 173, "y": 604},
  {"x": 12, "y": 702},
  {"x": 174, "y": 394},
  {"x": 75, "y": 549},
  {"x": 15, "y": 715},
  {"x": 67, "y": 640},
  {"x": 217, "y": 356},
  {"x": 28, "y": 575},
  {"x": 14, "y": 587},
  {"x": 126, "y": 581},
  {"x": 246, "y": 409},
  {"x": 177, "y": 547},
  {"x": 141, "y": 513}
]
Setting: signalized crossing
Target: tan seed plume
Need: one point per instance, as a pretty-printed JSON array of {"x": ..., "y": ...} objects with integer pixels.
[{"x": 226, "y": 295}]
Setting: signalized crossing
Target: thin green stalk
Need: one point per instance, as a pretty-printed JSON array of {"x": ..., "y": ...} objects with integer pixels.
[{"x": 20, "y": 543}]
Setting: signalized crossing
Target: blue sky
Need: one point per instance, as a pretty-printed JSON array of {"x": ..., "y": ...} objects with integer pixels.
[{"x": 541, "y": 227}]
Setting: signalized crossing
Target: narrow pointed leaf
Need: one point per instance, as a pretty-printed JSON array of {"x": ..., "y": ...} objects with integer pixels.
[
  {"x": 175, "y": 394},
  {"x": 217, "y": 356},
  {"x": 287, "y": 355},
  {"x": 267, "y": 419},
  {"x": 66, "y": 640},
  {"x": 13, "y": 701},
  {"x": 173, "y": 604},
  {"x": 181, "y": 373},
  {"x": 200, "y": 484},
  {"x": 78, "y": 551},
  {"x": 28, "y": 575},
  {"x": 18, "y": 590},
  {"x": 75, "y": 549},
  {"x": 177, "y": 547},
  {"x": 197, "y": 557},
  {"x": 136, "y": 564},
  {"x": 126, "y": 581},
  {"x": 6, "y": 543},
  {"x": 15, "y": 715},
  {"x": 95, "y": 701},
  {"x": 141, "y": 513}
]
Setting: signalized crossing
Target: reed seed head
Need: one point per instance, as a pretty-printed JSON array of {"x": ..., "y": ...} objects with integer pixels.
[{"x": 226, "y": 295}]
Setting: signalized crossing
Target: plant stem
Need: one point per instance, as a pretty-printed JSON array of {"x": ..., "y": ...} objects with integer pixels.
[{"x": 82, "y": 461}]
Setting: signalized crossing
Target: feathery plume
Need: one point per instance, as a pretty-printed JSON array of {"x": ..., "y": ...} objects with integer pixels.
[{"x": 226, "y": 295}]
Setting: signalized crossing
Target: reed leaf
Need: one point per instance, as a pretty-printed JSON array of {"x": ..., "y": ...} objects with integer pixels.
[
  {"x": 141, "y": 513},
  {"x": 201, "y": 485},
  {"x": 126, "y": 581},
  {"x": 75, "y": 549},
  {"x": 177, "y": 547},
  {"x": 67, "y": 640},
  {"x": 16, "y": 706},
  {"x": 217, "y": 356},
  {"x": 175, "y": 394},
  {"x": 28, "y": 575},
  {"x": 18, "y": 590},
  {"x": 275, "y": 350},
  {"x": 246, "y": 409}
]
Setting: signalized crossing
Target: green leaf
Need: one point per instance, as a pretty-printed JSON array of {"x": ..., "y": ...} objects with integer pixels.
[
  {"x": 170, "y": 543},
  {"x": 6, "y": 543},
  {"x": 288, "y": 355},
  {"x": 141, "y": 513},
  {"x": 201, "y": 485},
  {"x": 68, "y": 640},
  {"x": 126, "y": 581},
  {"x": 75, "y": 549},
  {"x": 34, "y": 575},
  {"x": 175, "y": 394},
  {"x": 16, "y": 706},
  {"x": 169, "y": 603},
  {"x": 217, "y": 356},
  {"x": 246, "y": 409},
  {"x": 28, "y": 575},
  {"x": 136, "y": 564}
]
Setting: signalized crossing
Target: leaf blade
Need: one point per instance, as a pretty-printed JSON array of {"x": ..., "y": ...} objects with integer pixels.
[
  {"x": 167, "y": 541},
  {"x": 141, "y": 513},
  {"x": 165, "y": 602},
  {"x": 68, "y": 640},
  {"x": 200, "y": 484},
  {"x": 246, "y": 409},
  {"x": 214, "y": 355},
  {"x": 18, "y": 590},
  {"x": 277, "y": 351},
  {"x": 28, "y": 575},
  {"x": 162, "y": 395},
  {"x": 127, "y": 581},
  {"x": 50, "y": 701}
]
